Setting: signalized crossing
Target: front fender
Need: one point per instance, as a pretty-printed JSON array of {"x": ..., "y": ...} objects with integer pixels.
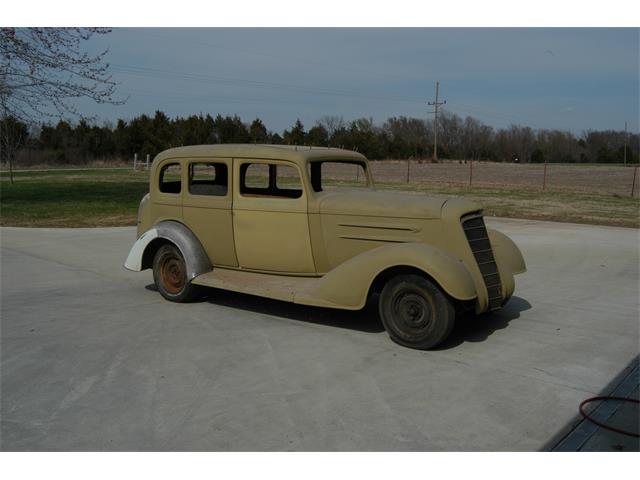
[
  {"x": 507, "y": 253},
  {"x": 348, "y": 285},
  {"x": 508, "y": 259},
  {"x": 141, "y": 255}
]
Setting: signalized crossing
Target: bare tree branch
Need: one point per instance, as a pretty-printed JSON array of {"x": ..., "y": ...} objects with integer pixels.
[{"x": 43, "y": 70}]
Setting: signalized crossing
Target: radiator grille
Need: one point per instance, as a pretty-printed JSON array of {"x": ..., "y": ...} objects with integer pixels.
[{"x": 478, "y": 239}]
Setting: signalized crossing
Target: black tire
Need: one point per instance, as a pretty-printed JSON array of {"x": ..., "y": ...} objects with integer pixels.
[
  {"x": 170, "y": 275},
  {"x": 415, "y": 312}
]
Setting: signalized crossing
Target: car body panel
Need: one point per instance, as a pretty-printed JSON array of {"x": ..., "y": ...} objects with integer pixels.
[
  {"x": 346, "y": 236},
  {"x": 375, "y": 203},
  {"x": 271, "y": 233},
  {"x": 348, "y": 285}
]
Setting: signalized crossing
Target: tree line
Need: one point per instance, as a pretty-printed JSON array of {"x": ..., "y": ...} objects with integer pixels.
[{"x": 397, "y": 138}]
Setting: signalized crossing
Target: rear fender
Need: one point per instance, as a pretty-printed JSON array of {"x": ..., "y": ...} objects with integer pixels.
[
  {"x": 348, "y": 285},
  {"x": 143, "y": 250}
]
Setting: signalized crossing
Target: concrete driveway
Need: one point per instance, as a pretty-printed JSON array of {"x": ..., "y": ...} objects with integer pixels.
[{"x": 94, "y": 359}]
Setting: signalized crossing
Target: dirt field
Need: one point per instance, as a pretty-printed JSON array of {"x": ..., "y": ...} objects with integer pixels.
[{"x": 579, "y": 178}]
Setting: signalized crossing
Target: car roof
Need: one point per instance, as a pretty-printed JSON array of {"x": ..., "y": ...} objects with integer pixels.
[{"x": 295, "y": 153}]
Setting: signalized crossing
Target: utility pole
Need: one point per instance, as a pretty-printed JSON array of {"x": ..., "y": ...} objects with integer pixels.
[
  {"x": 436, "y": 105},
  {"x": 625, "y": 144}
]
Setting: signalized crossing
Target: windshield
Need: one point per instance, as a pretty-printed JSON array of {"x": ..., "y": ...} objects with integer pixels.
[{"x": 329, "y": 174}]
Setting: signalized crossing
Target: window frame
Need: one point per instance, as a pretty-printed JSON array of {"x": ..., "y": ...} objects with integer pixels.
[
  {"x": 312, "y": 163},
  {"x": 190, "y": 168},
  {"x": 253, "y": 192},
  {"x": 161, "y": 173}
]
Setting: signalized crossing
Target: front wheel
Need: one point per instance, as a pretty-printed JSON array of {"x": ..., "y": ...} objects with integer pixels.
[
  {"x": 170, "y": 275},
  {"x": 415, "y": 312}
]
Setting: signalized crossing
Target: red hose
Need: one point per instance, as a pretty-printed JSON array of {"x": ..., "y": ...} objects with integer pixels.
[{"x": 604, "y": 425}]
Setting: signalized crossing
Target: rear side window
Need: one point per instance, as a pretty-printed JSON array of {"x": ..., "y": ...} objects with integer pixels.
[
  {"x": 170, "y": 178},
  {"x": 208, "y": 178},
  {"x": 270, "y": 180}
]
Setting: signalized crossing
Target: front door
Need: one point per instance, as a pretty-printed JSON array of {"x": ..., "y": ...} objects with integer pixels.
[{"x": 270, "y": 222}]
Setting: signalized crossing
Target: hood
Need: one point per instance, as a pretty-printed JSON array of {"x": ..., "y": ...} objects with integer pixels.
[{"x": 381, "y": 204}]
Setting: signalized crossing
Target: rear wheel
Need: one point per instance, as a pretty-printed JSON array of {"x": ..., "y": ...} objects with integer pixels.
[
  {"x": 415, "y": 312},
  {"x": 170, "y": 275}
]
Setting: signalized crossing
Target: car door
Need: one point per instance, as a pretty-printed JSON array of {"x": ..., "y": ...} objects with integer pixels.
[
  {"x": 206, "y": 207},
  {"x": 270, "y": 221},
  {"x": 167, "y": 191}
]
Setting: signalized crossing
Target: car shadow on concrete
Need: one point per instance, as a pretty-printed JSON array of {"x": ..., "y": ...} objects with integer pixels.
[
  {"x": 365, "y": 320},
  {"x": 468, "y": 328},
  {"x": 477, "y": 328}
]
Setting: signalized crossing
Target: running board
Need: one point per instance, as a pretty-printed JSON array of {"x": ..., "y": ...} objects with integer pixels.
[{"x": 279, "y": 287}]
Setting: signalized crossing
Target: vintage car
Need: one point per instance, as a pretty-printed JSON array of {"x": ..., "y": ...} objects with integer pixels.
[{"x": 306, "y": 225}]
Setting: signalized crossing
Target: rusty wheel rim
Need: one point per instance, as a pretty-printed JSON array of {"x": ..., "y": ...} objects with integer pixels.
[
  {"x": 413, "y": 313},
  {"x": 172, "y": 274}
]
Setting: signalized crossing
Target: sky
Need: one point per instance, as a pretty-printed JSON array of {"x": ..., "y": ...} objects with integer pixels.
[{"x": 572, "y": 79}]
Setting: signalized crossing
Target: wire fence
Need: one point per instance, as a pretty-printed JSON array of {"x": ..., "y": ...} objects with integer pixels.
[
  {"x": 597, "y": 179},
  {"x": 577, "y": 178}
]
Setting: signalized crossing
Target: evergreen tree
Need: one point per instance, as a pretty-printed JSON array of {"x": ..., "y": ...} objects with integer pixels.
[
  {"x": 296, "y": 136},
  {"x": 258, "y": 132}
]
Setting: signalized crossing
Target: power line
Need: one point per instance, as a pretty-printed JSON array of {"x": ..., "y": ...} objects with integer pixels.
[
  {"x": 289, "y": 59},
  {"x": 162, "y": 74},
  {"x": 238, "y": 82},
  {"x": 208, "y": 79}
]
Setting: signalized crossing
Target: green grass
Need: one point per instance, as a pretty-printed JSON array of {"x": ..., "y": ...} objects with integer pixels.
[
  {"x": 78, "y": 199},
  {"x": 110, "y": 197},
  {"x": 88, "y": 172}
]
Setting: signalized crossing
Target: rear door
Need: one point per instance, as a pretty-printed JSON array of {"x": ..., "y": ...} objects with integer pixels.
[{"x": 206, "y": 207}]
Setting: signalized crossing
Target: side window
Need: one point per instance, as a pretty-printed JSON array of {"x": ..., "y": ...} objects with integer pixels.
[
  {"x": 334, "y": 174},
  {"x": 208, "y": 178},
  {"x": 170, "y": 178},
  {"x": 255, "y": 175},
  {"x": 288, "y": 179},
  {"x": 270, "y": 180}
]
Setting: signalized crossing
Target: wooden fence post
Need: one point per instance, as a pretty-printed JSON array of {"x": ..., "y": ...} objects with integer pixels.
[
  {"x": 408, "y": 169},
  {"x": 470, "y": 172},
  {"x": 633, "y": 185},
  {"x": 544, "y": 177},
  {"x": 135, "y": 161}
]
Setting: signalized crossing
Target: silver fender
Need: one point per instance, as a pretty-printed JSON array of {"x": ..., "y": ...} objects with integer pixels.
[{"x": 141, "y": 255}]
